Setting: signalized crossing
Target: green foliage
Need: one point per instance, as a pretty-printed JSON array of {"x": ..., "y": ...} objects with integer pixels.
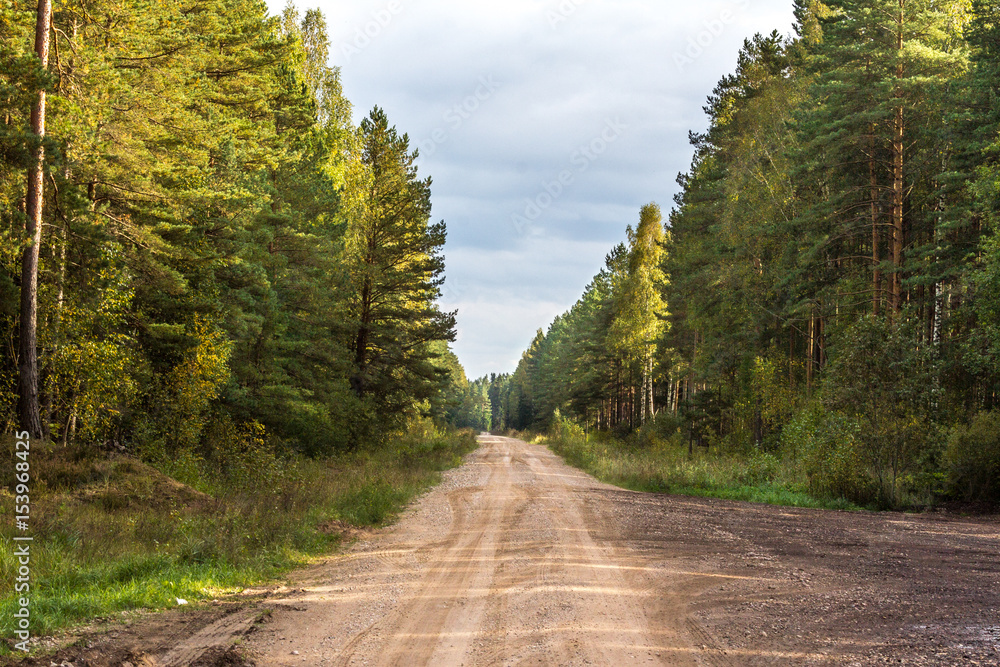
[
  {"x": 188, "y": 390},
  {"x": 666, "y": 467},
  {"x": 200, "y": 264},
  {"x": 639, "y": 310},
  {"x": 830, "y": 266},
  {"x": 564, "y": 430},
  {"x": 597, "y": 362},
  {"x": 972, "y": 459},
  {"x": 395, "y": 269},
  {"x": 888, "y": 385},
  {"x": 244, "y": 456},
  {"x": 470, "y": 403},
  {"x": 829, "y": 446},
  {"x": 663, "y": 427},
  {"x": 95, "y": 370}
]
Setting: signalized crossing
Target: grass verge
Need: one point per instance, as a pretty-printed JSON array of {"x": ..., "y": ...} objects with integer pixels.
[
  {"x": 113, "y": 534},
  {"x": 664, "y": 467}
]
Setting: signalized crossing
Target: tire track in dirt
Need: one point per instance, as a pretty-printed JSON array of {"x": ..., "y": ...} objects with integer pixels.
[
  {"x": 437, "y": 624},
  {"x": 497, "y": 566},
  {"x": 518, "y": 559}
]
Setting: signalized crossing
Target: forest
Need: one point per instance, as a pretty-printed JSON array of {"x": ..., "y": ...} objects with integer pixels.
[
  {"x": 219, "y": 321},
  {"x": 824, "y": 294},
  {"x": 205, "y": 245}
]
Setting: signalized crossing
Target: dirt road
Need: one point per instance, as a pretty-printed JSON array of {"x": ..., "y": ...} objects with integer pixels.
[
  {"x": 518, "y": 559},
  {"x": 497, "y": 566}
]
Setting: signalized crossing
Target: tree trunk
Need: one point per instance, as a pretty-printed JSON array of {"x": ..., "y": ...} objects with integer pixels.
[
  {"x": 876, "y": 271},
  {"x": 57, "y": 324},
  {"x": 791, "y": 360},
  {"x": 758, "y": 422},
  {"x": 28, "y": 406},
  {"x": 812, "y": 354},
  {"x": 897, "y": 179},
  {"x": 361, "y": 341},
  {"x": 642, "y": 397},
  {"x": 820, "y": 342},
  {"x": 618, "y": 394},
  {"x": 931, "y": 313},
  {"x": 652, "y": 399},
  {"x": 631, "y": 396}
]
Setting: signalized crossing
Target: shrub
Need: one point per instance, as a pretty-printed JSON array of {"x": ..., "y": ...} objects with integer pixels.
[
  {"x": 760, "y": 468},
  {"x": 663, "y": 427},
  {"x": 829, "y": 446},
  {"x": 885, "y": 380},
  {"x": 972, "y": 459},
  {"x": 564, "y": 430}
]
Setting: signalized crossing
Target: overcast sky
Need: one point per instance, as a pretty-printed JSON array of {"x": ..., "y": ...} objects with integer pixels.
[{"x": 545, "y": 125}]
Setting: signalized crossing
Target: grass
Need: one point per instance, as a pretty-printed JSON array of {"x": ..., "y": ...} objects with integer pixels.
[
  {"x": 665, "y": 467},
  {"x": 112, "y": 533}
]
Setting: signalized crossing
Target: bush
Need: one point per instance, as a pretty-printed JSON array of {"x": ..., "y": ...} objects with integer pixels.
[
  {"x": 760, "y": 468},
  {"x": 886, "y": 381},
  {"x": 842, "y": 459},
  {"x": 661, "y": 428},
  {"x": 565, "y": 430},
  {"x": 829, "y": 446},
  {"x": 972, "y": 459}
]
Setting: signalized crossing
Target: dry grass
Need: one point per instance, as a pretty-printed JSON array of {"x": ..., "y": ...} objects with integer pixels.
[
  {"x": 113, "y": 533},
  {"x": 667, "y": 467}
]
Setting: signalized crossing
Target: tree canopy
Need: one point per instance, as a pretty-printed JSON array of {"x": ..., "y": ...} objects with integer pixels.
[{"x": 218, "y": 241}]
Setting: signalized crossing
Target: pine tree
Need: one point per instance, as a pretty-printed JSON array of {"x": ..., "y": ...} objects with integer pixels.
[
  {"x": 395, "y": 264},
  {"x": 28, "y": 380},
  {"x": 879, "y": 69}
]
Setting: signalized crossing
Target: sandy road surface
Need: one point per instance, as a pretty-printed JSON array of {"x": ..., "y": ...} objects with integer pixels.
[
  {"x": 517, "y": 559},
  {"x": 496, "y": 566}
]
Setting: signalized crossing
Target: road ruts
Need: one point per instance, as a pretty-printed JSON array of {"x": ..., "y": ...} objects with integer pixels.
[{"x": 500, "y": 565}]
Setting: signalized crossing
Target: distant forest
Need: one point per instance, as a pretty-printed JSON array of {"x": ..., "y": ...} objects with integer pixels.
[{"x": 827, "y": 283}]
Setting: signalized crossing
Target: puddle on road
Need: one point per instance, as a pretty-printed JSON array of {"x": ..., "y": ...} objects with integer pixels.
[{"x": 967, "y": 637}]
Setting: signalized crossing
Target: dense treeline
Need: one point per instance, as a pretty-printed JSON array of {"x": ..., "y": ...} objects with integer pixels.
[
  {"x": 826, "y": 286},
  {"x": 220, "y": 248}
]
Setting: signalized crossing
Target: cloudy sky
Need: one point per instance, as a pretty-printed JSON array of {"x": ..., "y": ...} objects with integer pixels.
[{"x": 545, "y": 124}]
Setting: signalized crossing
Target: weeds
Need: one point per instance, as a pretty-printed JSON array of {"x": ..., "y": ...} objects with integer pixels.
[{"x": 667, "y": 467}]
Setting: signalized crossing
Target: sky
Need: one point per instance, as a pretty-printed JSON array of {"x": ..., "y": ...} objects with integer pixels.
[{"x": 545, "y": 126}]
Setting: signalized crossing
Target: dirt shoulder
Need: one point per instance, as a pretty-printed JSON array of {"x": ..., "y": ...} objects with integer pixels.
[{"x": 518, "y": 559}]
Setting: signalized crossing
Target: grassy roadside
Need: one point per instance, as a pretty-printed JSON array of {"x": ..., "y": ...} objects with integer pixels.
[
  {"x": 112, "y": 533},
  {"x": 665, "y": 467}
]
